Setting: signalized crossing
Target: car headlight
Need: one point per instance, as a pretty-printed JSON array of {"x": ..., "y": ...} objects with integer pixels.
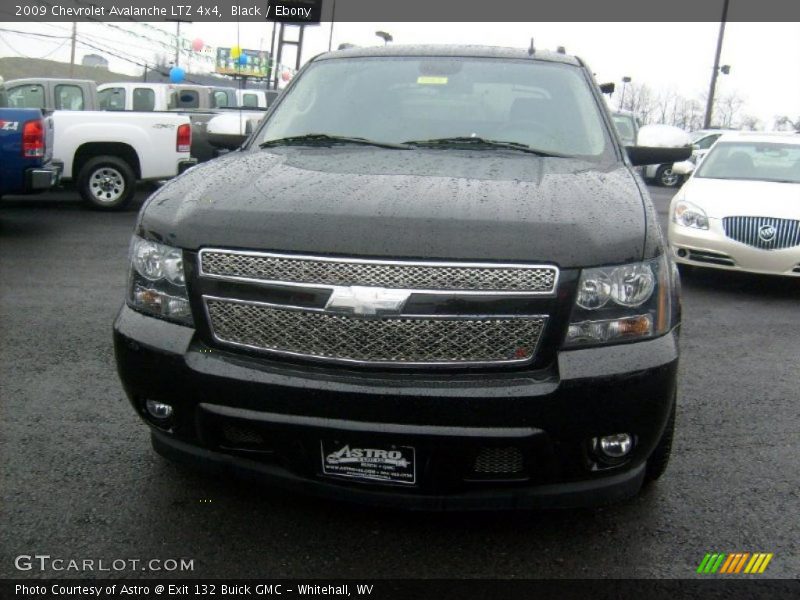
[
  {"x": 622, "y": 303},
  {"x": 689, "y": 215},
  {"x": 157, "y": 284}
]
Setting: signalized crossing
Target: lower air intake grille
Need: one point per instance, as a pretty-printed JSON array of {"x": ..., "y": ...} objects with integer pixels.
[
  {"x": 499, "y": 461},
  {"x": 238, "y": 435},
  {"x": 383, "y": 341},
  {"x": 711, "y": 257}
]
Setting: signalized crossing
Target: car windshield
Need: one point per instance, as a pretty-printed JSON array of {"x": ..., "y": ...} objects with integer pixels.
[
  {"x": 760, "y": 161},
  {"x": 547, "y": 107}
]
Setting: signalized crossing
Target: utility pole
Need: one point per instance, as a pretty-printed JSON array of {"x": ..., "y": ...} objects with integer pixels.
[
  {"x": 333, "y": 18},
  {"x": 178, "y": 44},
  {"x": 712, "y": 88},
  {"x": 72, "y": 50},
  {"x": 272, "y": 63}
]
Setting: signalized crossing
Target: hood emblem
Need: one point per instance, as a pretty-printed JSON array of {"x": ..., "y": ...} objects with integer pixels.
[
  {"x": 360, "y": 300},
  {"x": 767, "y": 233}
]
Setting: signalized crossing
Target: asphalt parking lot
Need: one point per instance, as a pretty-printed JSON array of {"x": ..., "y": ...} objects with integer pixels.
[{"x": 78, "y": 478}]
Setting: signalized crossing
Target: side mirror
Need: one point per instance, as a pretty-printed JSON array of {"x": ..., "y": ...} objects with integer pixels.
[
  {"x": 608, "y": 88},
  {"x": 683, "y": 168},
  {"x": 648, "y": 155},
  {"x": 226, "y": 141}
]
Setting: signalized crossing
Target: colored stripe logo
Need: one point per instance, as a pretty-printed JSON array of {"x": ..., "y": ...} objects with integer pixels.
[{"x": 734, "y": 563}]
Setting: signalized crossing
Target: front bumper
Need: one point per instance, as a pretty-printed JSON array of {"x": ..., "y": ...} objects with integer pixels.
[
  {"x": 549, "y": 415},
  {"x": 712, "y": 248}
]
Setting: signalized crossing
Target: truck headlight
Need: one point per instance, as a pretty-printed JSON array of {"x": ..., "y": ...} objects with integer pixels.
[
  {"x": 157, "y": 284},
  {"x": 622, "y": 303},
  {"x": 689, "y": 215}
]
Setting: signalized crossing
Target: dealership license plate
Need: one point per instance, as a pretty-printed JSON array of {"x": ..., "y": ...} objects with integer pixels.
[{"x": 375, "y": 463}]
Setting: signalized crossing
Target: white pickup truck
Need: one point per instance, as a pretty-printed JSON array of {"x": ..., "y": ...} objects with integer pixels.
[{"x": 105, "y": 153}]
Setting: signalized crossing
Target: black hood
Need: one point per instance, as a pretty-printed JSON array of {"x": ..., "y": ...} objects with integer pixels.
[{"x": 488, "y": 204}]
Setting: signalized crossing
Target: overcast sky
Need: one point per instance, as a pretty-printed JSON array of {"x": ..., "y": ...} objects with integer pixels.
[{"x": 764, "y": 57}]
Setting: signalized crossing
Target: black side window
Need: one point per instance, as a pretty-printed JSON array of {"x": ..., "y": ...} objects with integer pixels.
[
  {"x": 69, "y": 97},
  {"x": 144, "y": 99},
  {"x": 188, "y": 99},
  {"x": 111, "y": 99},
  {"x": 26, "y": 96}
]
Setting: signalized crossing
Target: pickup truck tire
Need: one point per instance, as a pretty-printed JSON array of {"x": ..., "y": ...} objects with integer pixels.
[
  {"x": 659, "y": 459},
  {"x": 107, "y": 183},
  {"x": 666, "y": 178}
]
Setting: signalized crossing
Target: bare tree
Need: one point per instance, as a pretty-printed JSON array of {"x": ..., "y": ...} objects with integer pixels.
[
  {"x": 750, "y": 123},
  {"x": 665, "y": 106},
  {"x": 786, "y": 123},
  {"x": 639, "y": 100},
  {"x": 726, "y": 109}
]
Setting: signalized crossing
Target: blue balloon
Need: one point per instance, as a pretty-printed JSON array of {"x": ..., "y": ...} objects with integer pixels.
[
  {"x": 242, "y": 59},
  {"x": 176, "y": 74}
]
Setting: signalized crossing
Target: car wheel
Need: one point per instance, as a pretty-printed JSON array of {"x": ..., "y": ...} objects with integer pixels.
[
  {"x": 666, "y": 178},
  {"x": 659, "y": 459},
  {"x": 107, "y": 183}
]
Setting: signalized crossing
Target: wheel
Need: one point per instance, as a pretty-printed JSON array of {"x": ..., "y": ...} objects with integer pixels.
[
  {"x": 666, "y": 178},
  {"x": 659, "y": 459},
  {"x": 107, "y": 183}
]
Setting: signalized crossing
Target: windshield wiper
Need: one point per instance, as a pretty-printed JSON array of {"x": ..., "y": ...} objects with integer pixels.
[
  {"x": 324, "y": 139},
  {"x": 483, "y": 142}
]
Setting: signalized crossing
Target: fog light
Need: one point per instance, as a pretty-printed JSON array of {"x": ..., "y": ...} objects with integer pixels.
[
  {"x": 682, "y": 253},
  {"x": 616, "y": 446},
  {"x": 158, "y": 410}
]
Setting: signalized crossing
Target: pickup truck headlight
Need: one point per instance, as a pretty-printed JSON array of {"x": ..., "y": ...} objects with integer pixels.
[
  {"x": 621, "y": 303},
  {"x": 157, "y": 284},
  {"x": 690, "y": 215}
]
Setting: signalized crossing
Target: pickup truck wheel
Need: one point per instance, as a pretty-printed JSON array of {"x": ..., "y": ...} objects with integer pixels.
[
  {"x": 666, "y": 178},
  {"x": 107, "y": 183},
  {"x": 659, "y": 459}
]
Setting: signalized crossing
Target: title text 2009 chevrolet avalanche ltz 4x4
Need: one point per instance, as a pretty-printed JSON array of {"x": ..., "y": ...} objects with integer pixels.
[{"x": 429, "y": 279}]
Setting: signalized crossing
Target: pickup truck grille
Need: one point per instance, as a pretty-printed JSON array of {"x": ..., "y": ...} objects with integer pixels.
[
  {"x": 402, "y": 340},
  {"x": 375, "y": 312},
  {"x": 766, "y": 233},
  {"x": 295, "y": 269}
]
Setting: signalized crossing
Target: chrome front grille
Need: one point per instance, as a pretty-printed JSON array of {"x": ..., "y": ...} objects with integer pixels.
[
  {"x": 765, "y": 233},
  {"x": 401, "y": 340},
  {"x": 423, "y": 275}
]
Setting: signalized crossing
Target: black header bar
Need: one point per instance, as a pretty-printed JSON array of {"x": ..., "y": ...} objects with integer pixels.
[{"x": 313, "y": 11}]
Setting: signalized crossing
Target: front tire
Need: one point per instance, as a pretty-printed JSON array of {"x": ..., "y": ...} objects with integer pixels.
[
  {"x": 107, "y": 183},
  {"x": 666, "y": 178}
]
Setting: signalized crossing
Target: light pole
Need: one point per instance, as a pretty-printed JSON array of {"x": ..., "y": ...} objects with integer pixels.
[
  {"x": 715, "y": 72},
  {"x": 625, "y": 81},
  {"x": 333, "y": 18},
  {"x": 386, "y": 37}
]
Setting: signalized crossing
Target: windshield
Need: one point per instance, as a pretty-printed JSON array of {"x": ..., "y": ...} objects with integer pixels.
[
  {"x": 760, "y": 161},
  {"x": 545, "y": 106}
]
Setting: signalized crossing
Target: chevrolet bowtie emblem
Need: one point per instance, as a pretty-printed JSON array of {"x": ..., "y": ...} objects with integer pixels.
[{"x": 361, "y": 300}]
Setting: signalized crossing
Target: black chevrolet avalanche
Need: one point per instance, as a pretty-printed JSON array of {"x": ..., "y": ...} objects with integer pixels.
[{"x": 429, "y": 279}]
